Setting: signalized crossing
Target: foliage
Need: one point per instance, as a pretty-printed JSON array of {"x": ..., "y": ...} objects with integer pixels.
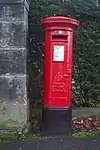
[
  {"x": 86, "y": 70},
  {"x": 81, "y": 135}
]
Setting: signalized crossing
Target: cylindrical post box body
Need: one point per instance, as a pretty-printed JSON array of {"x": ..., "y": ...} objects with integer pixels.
[{"x": 57, "y": 112}]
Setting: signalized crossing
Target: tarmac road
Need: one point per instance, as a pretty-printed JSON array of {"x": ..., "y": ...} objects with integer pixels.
[{"x": 54, "y": 144}]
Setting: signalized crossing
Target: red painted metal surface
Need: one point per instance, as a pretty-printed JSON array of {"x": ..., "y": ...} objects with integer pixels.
[{"x": 59, "y": 33}]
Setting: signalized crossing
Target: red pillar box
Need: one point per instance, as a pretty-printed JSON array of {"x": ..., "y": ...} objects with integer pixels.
[{"x": 57, "y": 112}]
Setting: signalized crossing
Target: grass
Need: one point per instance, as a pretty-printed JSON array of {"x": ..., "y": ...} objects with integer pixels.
[{"x": 83, "y": 134}]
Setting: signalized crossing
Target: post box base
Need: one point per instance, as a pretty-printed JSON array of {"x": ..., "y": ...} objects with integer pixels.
[{"x": 57, "y": 121}]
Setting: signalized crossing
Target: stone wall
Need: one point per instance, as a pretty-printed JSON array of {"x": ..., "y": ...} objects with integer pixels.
[{"x": 13, "y": 64}]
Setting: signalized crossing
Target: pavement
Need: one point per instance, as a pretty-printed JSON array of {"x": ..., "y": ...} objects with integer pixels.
[
  {"x": 54, "y": 144},
  {"x": 85, "y": 112}
]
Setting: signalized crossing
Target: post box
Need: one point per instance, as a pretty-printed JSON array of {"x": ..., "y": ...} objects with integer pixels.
[{"x": 57, "y": 110}]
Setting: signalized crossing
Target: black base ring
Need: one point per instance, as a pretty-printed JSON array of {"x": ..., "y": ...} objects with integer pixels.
[{"x": 56, "y": 121}]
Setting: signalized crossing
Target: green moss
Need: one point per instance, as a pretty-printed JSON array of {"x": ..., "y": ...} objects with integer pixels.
[
  {"x": 10, "y": 136},
  {"x": 85, "y": 134},
  {"x": 7, "y": 136},
  {"x": 9, "y": 124}
]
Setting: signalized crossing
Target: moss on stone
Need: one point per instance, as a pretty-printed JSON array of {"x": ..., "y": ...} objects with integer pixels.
[{"x": 7, "y": 136}]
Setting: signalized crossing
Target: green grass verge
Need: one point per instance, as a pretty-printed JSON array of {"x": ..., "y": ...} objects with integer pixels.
[{"x": 85, "y": 134}]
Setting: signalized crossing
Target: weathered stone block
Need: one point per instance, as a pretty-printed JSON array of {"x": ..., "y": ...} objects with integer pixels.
[
  {"x": 11, "y": 13},
  {"x": 13, "y": 102},
  {"x": 13, "y": 62},
  {"x": 12, "y": 35},
  {"x": 14, "y": 1}
]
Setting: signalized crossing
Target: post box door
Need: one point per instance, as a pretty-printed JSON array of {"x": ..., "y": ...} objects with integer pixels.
[{"x": 61, "y": 74}]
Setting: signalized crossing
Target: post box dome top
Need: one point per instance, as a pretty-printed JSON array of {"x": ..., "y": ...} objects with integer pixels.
[{"x": 60, "y": 19}]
